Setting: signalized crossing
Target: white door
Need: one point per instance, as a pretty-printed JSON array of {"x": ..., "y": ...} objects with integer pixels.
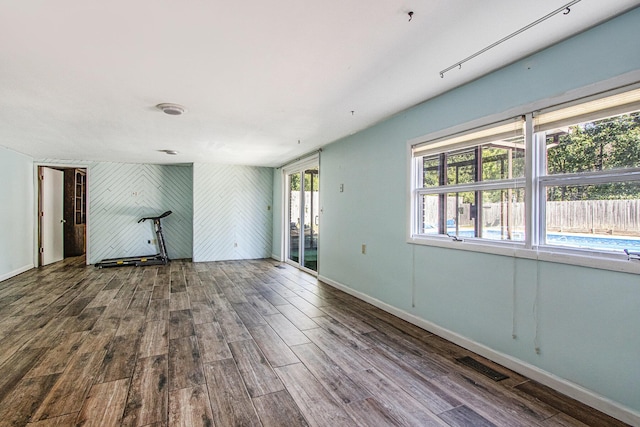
[{"x": 51, "y": 216}]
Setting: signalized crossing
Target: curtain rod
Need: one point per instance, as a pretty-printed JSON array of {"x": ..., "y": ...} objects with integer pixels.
[
  {"x": 319, "y": 150},
  {"x": 458, "y": 64}
]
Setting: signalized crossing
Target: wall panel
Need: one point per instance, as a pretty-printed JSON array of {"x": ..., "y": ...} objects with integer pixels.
[
  {"x": 120, "y": 194},
  {"x": 232, "y": 212},
  {"x": 17, "y": 213}
]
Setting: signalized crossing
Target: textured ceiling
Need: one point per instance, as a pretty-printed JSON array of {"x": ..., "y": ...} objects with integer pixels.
[{"x": 263, "y": 82}]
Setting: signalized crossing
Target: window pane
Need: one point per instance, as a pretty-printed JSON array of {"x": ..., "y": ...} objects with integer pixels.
[
  {"x": 610, "y": 143},
  {"x": 431, "y": 171},
  {"x": 430, "y": 214},
  {"x": 503, "y": 214},
  {"x": 603, "y": 217},
  {"x": 461, "y": 167},
  {"x": 501, "y": 217},
  {"x": 461, "y": 214},
  {"x": 503, "y": 159}
]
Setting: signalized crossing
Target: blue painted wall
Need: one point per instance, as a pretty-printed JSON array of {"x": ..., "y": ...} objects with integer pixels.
[{"x": 584, "y": 321}]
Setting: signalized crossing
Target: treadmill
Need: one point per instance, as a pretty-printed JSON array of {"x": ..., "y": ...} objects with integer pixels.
[{"x": 160, "y": 258}]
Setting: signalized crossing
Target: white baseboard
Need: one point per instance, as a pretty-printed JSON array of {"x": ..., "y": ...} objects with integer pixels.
[
  {"x": 584, "y": 395},
  {"x": 16, "y": 272}
]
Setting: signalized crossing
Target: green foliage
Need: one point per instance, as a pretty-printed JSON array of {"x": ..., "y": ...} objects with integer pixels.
[
  {"x": 595, "y": 146},
  {"x": 606, "y": 144},
  {"x": 310, "y": 176}
]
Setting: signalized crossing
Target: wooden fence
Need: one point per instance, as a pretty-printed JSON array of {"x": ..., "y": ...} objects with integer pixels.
[
  {"x": 613, "y": 217},
  {"x": 595, "y": 216}
]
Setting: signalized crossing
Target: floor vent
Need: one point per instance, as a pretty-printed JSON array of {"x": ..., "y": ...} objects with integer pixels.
[
  {"x": 483, "y": 369},
  {"x": 281, "y": 267}
]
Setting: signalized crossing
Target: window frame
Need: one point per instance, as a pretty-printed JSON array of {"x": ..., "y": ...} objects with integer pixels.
[
  {"x": 457, "y": 143},
  {"x": 536, "y": 182}
]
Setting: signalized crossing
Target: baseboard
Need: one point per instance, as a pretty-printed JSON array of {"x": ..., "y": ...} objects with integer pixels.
[
  {"x": 16, "y": 272},
  {"x": 584, "y": 395}
]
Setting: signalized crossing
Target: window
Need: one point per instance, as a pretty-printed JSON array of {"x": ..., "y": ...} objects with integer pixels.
[
  {"x": 590, "y": 184},
  {"x": 472, "y": 186},
  {"x": 572, "y": 184}
]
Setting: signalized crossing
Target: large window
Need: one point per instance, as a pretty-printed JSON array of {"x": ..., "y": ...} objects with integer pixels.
[
  {"x": 472, "y": 186},
  {"x": 571, "y": 183}
]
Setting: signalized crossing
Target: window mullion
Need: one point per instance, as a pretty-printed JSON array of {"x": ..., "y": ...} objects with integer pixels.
[
  {"x": 592, "y": 178},
  {"x": 417, "y": 184},
  {"x": 532, "y": 173},
  {"x": 475, "y": 186}
]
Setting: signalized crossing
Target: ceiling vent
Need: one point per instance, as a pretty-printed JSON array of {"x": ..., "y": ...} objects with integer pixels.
[{"x": 171, "y": 109}]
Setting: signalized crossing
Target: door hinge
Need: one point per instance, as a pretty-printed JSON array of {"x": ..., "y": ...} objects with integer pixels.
[
  {"x": 42, "y": 213},
  {"x": 41, "y": 250}
]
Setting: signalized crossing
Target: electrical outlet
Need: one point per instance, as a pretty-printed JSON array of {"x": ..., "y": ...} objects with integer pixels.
[
  {"x": 364, "y": 249},
  {"x": 342, "y": 188}
]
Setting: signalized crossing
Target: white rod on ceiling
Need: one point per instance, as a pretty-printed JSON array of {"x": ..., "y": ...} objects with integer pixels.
[{"x": 458, "y": 64}]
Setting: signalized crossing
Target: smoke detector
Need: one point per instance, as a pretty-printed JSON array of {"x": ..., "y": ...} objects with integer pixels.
[{"x": 171, "y": 109}]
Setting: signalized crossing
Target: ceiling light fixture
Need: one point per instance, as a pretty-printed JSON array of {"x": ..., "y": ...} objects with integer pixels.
[
  {"x": 170, "y": 152},
  {"x": 171, "y": 109}
]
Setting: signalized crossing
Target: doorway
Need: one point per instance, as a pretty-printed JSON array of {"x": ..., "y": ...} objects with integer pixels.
[
  {"x": 303, "y": 219},
  {"x": 62, "y": 213}
]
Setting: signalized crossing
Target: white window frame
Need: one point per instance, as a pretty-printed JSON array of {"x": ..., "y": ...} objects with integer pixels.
[
  {"x": 536, "y": 183},
  {"x": 471, "y": 139}
]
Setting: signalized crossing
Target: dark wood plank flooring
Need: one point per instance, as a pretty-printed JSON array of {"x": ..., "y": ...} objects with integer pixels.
[{"x": 238, "y": 343}]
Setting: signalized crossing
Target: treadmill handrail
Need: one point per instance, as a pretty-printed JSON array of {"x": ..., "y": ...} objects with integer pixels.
[{"x": 167, "y": 213}]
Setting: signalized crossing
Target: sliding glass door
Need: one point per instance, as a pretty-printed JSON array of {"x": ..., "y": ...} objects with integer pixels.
[{"x": 303, "y": 190}]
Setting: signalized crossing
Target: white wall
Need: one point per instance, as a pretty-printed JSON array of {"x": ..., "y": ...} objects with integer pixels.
[
  {"x": 17, "y": 209},
  {"x": 233, "y": 215},
  {"x": 232, "y": 212},
  {"x": 583, "y": 321}
]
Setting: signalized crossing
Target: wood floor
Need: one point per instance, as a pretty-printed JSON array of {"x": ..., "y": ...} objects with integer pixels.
[{"x": 238, "y": 344}]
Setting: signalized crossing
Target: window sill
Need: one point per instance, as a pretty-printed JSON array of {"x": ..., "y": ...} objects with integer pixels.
[{"x": 581, "y": 258}]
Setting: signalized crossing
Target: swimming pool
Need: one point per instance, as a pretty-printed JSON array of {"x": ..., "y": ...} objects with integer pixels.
[
  {"x": 585, "y": 241},
  {"x": 607, "y": 243}
]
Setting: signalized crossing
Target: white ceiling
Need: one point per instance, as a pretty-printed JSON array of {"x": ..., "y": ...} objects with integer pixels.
[{"x": 79, "y": 79}]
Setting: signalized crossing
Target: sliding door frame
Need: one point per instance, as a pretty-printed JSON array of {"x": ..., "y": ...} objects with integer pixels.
[{"x": 297, "y": 167}]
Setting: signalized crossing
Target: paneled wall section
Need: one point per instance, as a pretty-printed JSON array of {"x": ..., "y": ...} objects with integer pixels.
[
  {"x": 232, "y": 212},
  {"x": 120, "y": 194}
]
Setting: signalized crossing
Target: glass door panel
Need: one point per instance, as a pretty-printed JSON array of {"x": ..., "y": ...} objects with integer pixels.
[
  {"x": 303, "y": 217},
  {"x": 311, "y": 218},
  {"x": 293, "y": 186}
]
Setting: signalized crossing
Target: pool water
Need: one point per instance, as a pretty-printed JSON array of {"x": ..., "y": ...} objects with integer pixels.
[
  {"x": 607, "y": 243},
  {"x": 585, "y": 241}
]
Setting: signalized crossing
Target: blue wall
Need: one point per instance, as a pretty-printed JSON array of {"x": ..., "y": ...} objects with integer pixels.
[{"x": 583, "y": 321}]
